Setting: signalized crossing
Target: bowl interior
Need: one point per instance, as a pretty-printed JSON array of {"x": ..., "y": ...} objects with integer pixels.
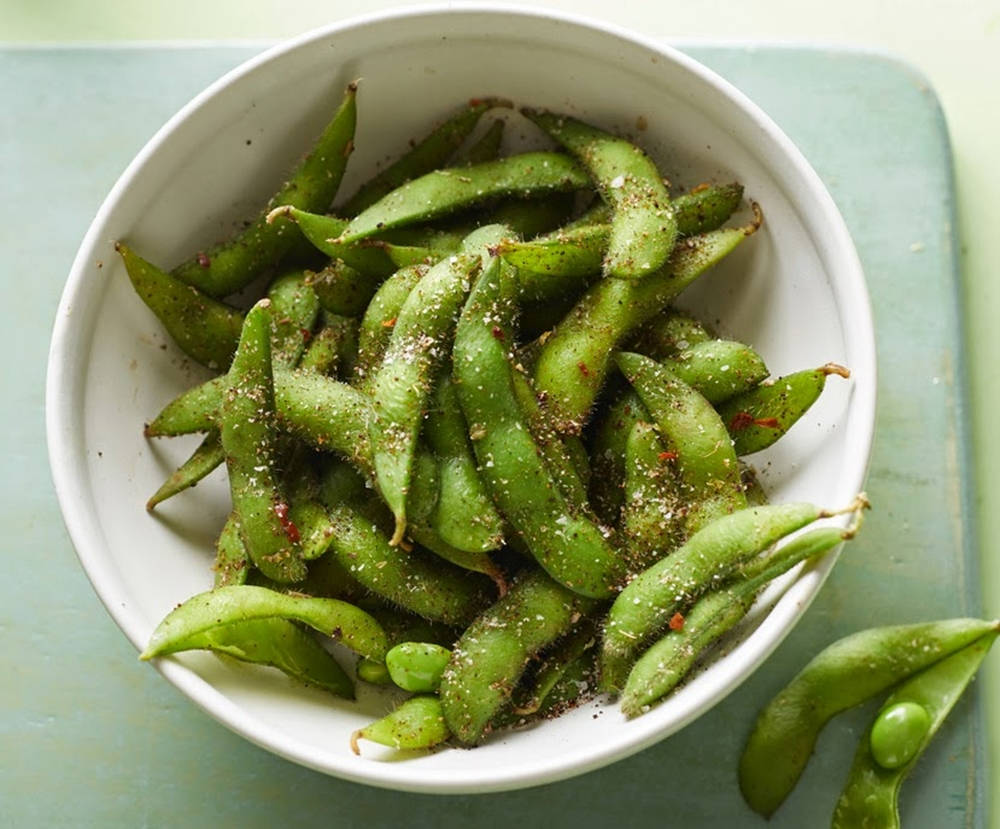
[{"x": 794, "y": 291}]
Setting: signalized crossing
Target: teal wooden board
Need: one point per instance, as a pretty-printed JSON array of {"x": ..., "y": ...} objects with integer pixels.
[{"x": 91, "y": 737}]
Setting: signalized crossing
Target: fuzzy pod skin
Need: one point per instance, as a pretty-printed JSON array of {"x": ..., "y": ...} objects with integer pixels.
[
  {"x": 417, "y": 666},
  {"x": 607, "y": 452},
  {"x": 279, "y": 644},
  {"x": 570, "y": 547},
  {"x": 490, "y": 657},
  {"x": 332, "y": 350},
  {"x": 342, "y": 289},
  {"x": 719, "y": 369},
  {"x": 668, "y": 334},
  {"x": 232, "y": 563},
  {"x": 652, "y": 519},
  {"x": 416, "y": 723},
  {"x": 204, "y": 328},
  {"x": 222, "y": 606},
  {"x": 708, "y": 557},
  {"x": 428, "y": 154},
  {"x": 380, "y": 318},
  {"x": 203, "y": 460},
  {"x": 231, "y": 265},
  {"x": 757, "y": 418},
  {"x": 443, "y": 192},
  {"x": 294, "y": 311},
  {"x": 843, "y": 675},
  {"x": 643, "y": 225},
  {"x": 573, "y": 362},
  {"x": 247, "y": 422},
  {"x": 321, "y": 230},
  {"x": 871, "y": 794},
  {"x": 661, "y": 668},
  {"x": 464, "y": 515},
  {"x": 414, "y": 580},
  {"x": 402, "y": 383},
  {"x": 706, "y": 464}
]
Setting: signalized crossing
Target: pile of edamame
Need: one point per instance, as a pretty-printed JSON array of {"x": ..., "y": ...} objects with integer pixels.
[{"x": 467, "y": 435}]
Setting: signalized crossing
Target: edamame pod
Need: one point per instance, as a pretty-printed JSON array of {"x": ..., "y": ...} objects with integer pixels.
[
  {"x": 871, "y": 795},
  {"x": 417, "y": 666},
  {"x": 279, "y": 644},
  {"x": 333, "y": 349},
  {"x": 484, "y": 148},
  {"x": 415, "y": 723},
  {"x": 843, "y": 675},
  {"x": 222, "y": 606},
  {"x": 719, "y": 369},
  {"x": 204, "y": 328},
  {"x": 661, "y": 668},
  {"x": 230, "y": 266},
  {"x": 232, "y": 563},
  {"x": 246, "y": 425},
  {"x": 643, "y": 226},
  {"x": 203, "y": 460},
  {"x": 343, "y": 290},
  {"x": 494, "y": 651},
  {"x": 648, "y": 602},
  {"x": 380, "y": 318},
  {"x": 572, "y": 548},
  {"x": 668, "y": 334},
  {"x": 706, "y": 464},
  {"x": 294, "y": 309},
  {"x": 573, "y": 362},
  {"x": 447, "y": 191},
  {"x": 402, "y": 382},
  {"x": 757, "y": 418}
]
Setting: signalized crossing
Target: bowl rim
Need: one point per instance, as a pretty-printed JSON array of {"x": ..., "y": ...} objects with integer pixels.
[{"x": 69, "y": 473}]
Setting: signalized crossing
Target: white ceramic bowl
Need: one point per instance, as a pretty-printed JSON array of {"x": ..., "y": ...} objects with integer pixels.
[{"x": 795, "y": 291}]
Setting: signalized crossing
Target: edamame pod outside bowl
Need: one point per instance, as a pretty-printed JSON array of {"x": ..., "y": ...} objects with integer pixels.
[{"x": 795, "y": 291}]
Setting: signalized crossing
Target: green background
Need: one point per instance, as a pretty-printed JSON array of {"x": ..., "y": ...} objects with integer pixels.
[{"x": 954, "y": 44}]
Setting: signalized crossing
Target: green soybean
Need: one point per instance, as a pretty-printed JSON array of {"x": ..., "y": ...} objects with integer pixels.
[
  {"x": 757, "y": 418},
  {"x": 870, "y": 797},
  {"x": 247, "y": 428},
  {"x": 447, "y": 191},
  {"x": 898, "y": 733},
  {"x": 339, "y": 620},
  {"x": 571, "y": 547},
  {"x": 646, "y": 604},
  {"x": 573, "y": 362},
  {"x": 417, "y": 666},
  {"x": 489, "y": 658},
  {"x": 416, "y": 723},
  {"x": 204, "y": 328},
  {"x": 843, "y": 675},
  {"x": 228, "y": 267}
]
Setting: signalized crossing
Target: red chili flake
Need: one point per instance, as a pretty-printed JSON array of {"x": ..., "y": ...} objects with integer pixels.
[
  {"x": 203, "y": 259},
  {"x": 667, "y": 456},
  {"x": 306, "y": 334},
  {"x": 676, "y": 622},
  {"x": 740, "y": 421},
  {"x": 389, "y": 323},
  {"x": 767, "y": 422},
  {"x": 281, "y": 510},
  {"x": 474, "y": 102},
  {"x": 497, "y": 332},
  {"x": 583, "y": 369}
]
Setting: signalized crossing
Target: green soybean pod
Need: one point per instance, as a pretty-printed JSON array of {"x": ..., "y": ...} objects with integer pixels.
[
  {"x": 464, "y": 515},
  {"x": 661, "y": 668},
  {"x": 607, "y": 452},
  {"x": 279, "y": 644},
  {"x": 571, "y": 547},
  {"x": 294, "y": 311},
  {"x": 843, "y": 675},
  {"x": 380, "y": 318},
  {"x": 247, "y": 428},
  {"x": 485, "y": 148},
  {"x": 646, "y": 604},
  {"x": 230, "y": 266},
  {"x": 417, "y": 666},
  {"x": 416, "y": 723},
  {"x": 443, "y": 192},
  {"x": 574, "y": 649},
  {"x": 203, "y": 460},
  {"x": 757, "y": 418},
  {"x": 871, "y": 795},
  {"x": 193, "y": 410},
  {"x": 344, "y": 622},
  {"x": 706, "y": 207},
  {"x": 402, "y": 382},
  {"x": 333, "y": 349},
  {"x": 428, "y": 154},
  {"x": 573, "y": 362},
  {"x": 719, "y": 369},
  {"x": 343, "y": 290},
  {"x": 652, "y": 519},
  {"x": 232, "y": 563},
  {"x": 668, "y": 334},
  {"x": 204, "y": 328},
  {"x": 706, "y": 463},
  {"x": 492, "y": 654},
  {"x": 643, "y": 225}
]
